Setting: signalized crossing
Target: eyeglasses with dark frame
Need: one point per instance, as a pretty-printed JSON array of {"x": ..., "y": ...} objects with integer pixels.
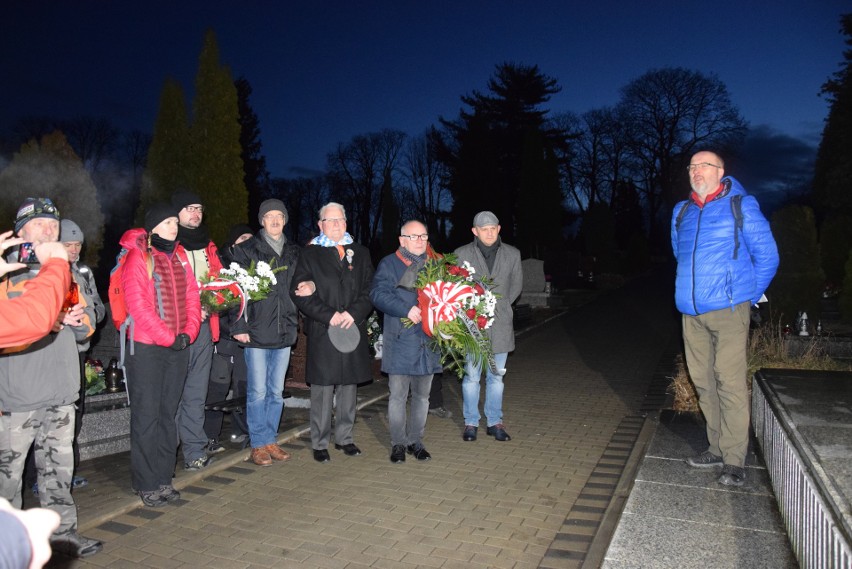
[
  {"x": 333, "y": 220},
  {"x": 424, "y": 237},
  {"x": 701, "y": 166},
  {"x": 194, "y": 208}
]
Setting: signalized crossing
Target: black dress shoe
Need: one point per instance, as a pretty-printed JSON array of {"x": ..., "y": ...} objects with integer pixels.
[
  {"x": 321, "y": 455},
  {"x": 420, "y": 452},
  {"x": 499, "y": 433},
  {"x": 397, "y": 454},
  {"x": 469, "y": 433},
  {"x": 348, "y": 449}
]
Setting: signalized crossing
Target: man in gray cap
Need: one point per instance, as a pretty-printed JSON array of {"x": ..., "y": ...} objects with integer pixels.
[
  {"x": 501, "y": 263},
  {"x": 267, "y": 330},
  {"x": 203, "y": 257}
]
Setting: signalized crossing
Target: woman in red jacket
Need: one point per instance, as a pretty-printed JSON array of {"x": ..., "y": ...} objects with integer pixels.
[{"x": 162, "y": 298}]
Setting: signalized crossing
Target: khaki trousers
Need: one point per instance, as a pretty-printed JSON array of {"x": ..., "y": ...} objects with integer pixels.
[{"x": 715, "y": 345}]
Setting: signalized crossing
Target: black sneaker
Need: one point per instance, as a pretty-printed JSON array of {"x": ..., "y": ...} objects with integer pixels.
[
  {"x": 198, "y": 463},
  {"x": 397, "y": 454},
  {"x": 419, "y": 452},
  {"x": 732, "y": 476},
  {"x": 705, "y": 460},
  {"x": 169, "y": 494},
  {"x": 441, "y": 413},
  {"x": 75, "y": 545},
  {"x": 152, "y": 499},
  {"x": 214, "y": 447}
]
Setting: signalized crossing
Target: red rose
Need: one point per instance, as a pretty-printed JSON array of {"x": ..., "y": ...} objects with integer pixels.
[
  {"x": 478, "y": 288},
  {"x": 464, "y": 272},
  {"x": 471, "y": 313},
  {"x": 481, "y": 321},
  {"x": 453, "y": 270}
]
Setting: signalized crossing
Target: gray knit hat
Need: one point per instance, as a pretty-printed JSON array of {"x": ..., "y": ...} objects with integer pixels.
[
  {"x": 70, "y": 231},
  {"x": 271, "y": 205}
]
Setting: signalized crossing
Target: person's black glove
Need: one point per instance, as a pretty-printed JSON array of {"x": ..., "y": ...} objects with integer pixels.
[{"x": 181, "y": 342}]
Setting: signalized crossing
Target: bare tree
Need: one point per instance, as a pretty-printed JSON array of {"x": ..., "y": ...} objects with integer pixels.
[
  {"x": 423, "y": 194},
  {"x": 94, "y": 139},
  {"x": 357, "y": 172},
  {"x": 667, "y": 115},
  {"x": 304, "y": 197}
]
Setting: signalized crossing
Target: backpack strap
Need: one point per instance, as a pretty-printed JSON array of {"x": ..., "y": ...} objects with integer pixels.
[
  {"x": 737, "y": 211},
  {"x": 680, "y": 214}
]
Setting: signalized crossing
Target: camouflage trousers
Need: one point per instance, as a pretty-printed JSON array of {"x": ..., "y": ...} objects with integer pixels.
[{"x": 52, "y": 431}]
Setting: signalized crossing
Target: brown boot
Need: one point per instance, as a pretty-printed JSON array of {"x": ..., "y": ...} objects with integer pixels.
[
  {"x": 276, "y": 452},
  {"x": 260, "y": 456}
]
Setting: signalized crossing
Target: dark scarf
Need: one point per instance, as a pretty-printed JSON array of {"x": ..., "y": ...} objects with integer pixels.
[
  {"x": 163, "y": 245},
  {"x": 193, "y": 239},
  {"x": 489, "y": 252},
  {"x": 413, "y": 263}
]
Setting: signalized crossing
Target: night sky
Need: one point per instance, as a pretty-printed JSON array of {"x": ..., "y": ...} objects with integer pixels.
[{"x": 323, "y": 72}]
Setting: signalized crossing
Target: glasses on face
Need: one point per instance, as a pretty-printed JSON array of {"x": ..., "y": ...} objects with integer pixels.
[
  {"x": 701, "y": 166},
  {"x": 333, "y": 220},
  {"x": 274, "y": 216},
  {"x": 195, "y": 208},
  {"x": 424, "y": 237}
]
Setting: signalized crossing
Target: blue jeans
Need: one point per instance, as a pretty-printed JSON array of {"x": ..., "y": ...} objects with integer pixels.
[
  {"x": 400, "y": 386},
  {"x": 493, "y": 392},
  {"x": 264, "y": 393}
]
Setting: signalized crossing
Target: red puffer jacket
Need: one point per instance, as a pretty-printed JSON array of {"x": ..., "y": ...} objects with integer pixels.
[{"x": 174, "y": 284}]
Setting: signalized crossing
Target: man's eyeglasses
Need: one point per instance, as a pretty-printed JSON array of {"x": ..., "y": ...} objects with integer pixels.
[
  {"x": 424, "y": 237},
  {"x": 701, "y": 166},
  {"x": 333, "y": 220},
  {"x": 194, "y": 208}
]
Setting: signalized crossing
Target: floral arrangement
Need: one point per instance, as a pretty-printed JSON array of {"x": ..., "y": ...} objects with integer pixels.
[
  {"x": 236, "y": 286},
  {"x": 374, "y": 334},
  {"x": 456, "y": 307},
  {"x": 95, "y": 377}
]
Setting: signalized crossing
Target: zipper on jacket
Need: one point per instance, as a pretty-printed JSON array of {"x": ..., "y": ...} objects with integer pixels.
[{"x": 694, "y": 249}]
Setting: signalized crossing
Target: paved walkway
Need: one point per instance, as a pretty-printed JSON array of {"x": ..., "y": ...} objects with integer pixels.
[{"x": 574, "y": 392}]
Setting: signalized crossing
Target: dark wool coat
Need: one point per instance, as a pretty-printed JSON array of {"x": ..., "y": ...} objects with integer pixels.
[{"x": 338, "y": 289}]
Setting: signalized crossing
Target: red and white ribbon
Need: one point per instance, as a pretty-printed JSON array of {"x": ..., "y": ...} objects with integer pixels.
[
  {"x": 440, "y": 301},
  {"x": 232, "y": 286}
]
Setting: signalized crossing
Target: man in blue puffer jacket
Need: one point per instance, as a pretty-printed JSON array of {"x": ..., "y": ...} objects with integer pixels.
[
  {"x": 722, "y": 270},
  {"x": 407, "y": 357}
]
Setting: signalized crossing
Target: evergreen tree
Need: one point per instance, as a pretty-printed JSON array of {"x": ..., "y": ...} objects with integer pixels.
[
  {"x": 797, "y": 285},
  {"x": 217, "y": 166},
  {"x": 835, "y": 242},
  {"x": 487, "y": 159},
  {"x": 169, "y": 155},
  {"x": 833, "y": 168},
  {"x": 51, "y": 169},
  {"x": 256, "y": 176}
]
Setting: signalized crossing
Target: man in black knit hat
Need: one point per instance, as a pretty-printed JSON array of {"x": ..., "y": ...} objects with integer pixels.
[{"x": 204, "y": 260}]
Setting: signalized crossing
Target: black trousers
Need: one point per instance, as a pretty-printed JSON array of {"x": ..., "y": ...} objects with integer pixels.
[{"x": 155, "y": 378}]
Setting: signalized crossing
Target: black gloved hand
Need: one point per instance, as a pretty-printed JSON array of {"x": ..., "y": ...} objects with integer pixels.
[{"x": 181, "y": 342}]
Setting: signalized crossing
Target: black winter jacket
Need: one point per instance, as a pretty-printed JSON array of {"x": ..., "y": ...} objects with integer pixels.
[{"x": 271, "y": 323}]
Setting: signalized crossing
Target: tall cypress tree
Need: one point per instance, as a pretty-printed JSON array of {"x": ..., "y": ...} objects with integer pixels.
[
  {"x": 256, "y": 177},
  {"x": 217, "y": 166},
  {"x": 170, "y": 152}
]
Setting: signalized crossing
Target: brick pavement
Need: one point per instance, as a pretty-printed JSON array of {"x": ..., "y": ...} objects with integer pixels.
[{"x": 573, "y": 387}]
